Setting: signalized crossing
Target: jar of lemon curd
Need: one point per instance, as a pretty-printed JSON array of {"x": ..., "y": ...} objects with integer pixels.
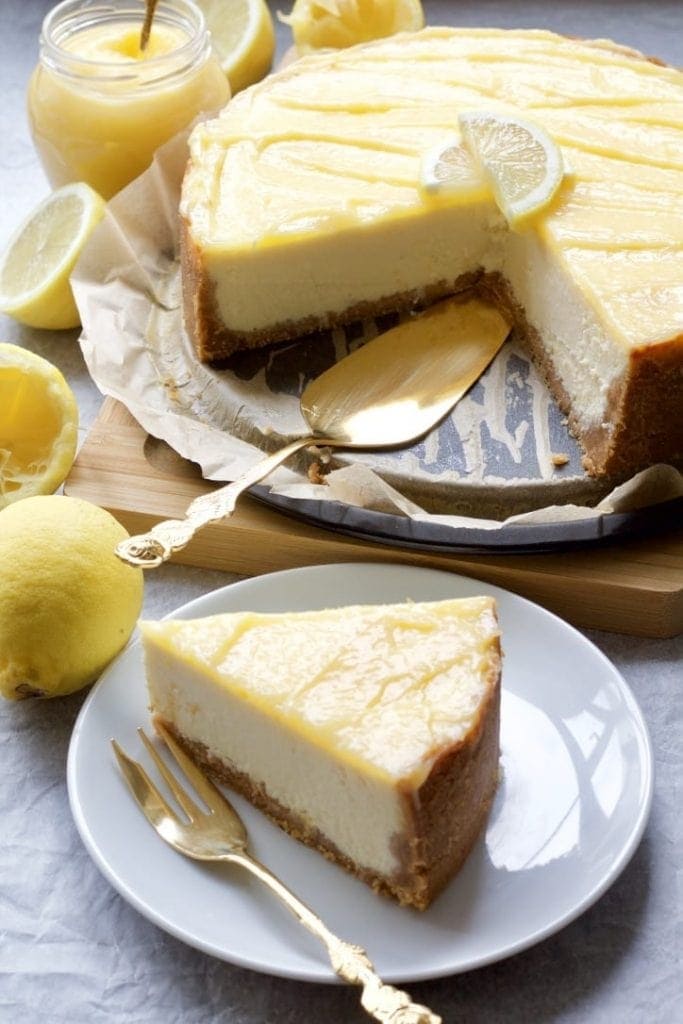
[{"x": 99, "y": 106}]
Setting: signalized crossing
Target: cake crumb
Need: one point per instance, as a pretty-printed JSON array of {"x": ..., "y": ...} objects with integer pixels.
[
  {"x": 315, "y": 473},
  {"x": 559, "y": 459}
]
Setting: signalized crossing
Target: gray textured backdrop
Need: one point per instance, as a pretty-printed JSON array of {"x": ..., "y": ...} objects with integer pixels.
[{"x": 72, "y": 951}]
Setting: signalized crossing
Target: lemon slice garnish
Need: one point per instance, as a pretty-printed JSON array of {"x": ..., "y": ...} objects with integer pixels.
[
  {"x": 335, "y": 24},
  {"x": 517, "y": 160},
  {"x": 521, "y": 162},
  {"x": 450, "y": 169},
  {"x": 38, "y": 425},
  {"x": 35, "y": 267},
  {"x": 243, "y": 38}
]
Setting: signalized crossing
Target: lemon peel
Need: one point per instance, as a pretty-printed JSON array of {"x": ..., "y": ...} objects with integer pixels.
[{"x": 336, "y": 24}]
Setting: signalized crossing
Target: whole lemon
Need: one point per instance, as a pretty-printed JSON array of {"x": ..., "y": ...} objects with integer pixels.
[{"x": 67, "y": 603}]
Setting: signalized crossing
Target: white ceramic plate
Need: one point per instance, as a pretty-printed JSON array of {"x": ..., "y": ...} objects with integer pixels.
[{"x": 570, "y": 810}]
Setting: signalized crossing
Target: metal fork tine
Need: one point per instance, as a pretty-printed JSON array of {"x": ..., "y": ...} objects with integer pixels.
[
  {"x": 183, "y": 798},
  {"x": 141, "y": 786},
  {"x": 210, "y": 794}
]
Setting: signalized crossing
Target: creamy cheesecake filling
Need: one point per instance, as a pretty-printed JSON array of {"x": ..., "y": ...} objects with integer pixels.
[
  {"x": 562, "y": 315},
  {"x": 339, "y": 718},
  {"x": 348, "y": 267},
  {"x": 443, "y": 247},
  {"x": 298, "y": 776}
]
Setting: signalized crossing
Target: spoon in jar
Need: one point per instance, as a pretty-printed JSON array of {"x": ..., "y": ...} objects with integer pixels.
[
  {"x": 150, "y": 7},
  {"x": 388, "y": 393}
]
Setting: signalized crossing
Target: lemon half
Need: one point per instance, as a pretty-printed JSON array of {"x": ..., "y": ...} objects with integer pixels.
[
  {"x": 38, "y": 425},
  {"x": 323, "y": 24},
  {"x": 243, "y": 38},
  {"x": 35, "y": 267}
]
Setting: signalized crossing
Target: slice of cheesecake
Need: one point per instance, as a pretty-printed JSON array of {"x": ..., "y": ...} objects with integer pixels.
[
  {"x": 369, "y": 732},
  {"x": 302, "y": 209}
]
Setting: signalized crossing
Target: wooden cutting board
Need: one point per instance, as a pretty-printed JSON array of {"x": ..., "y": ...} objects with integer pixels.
[{"x": 633, "y": 586}]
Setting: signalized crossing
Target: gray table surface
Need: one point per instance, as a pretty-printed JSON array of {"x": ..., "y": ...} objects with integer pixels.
[{"x": 71, "y": 950}]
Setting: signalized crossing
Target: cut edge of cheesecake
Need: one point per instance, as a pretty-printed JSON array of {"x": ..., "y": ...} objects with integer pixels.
[
  {"x": 641, "y": 404},
  {"x": 636, "y": 433},
  {"x": 214, "y": 342},
  {"x": 442, "y": 810}
]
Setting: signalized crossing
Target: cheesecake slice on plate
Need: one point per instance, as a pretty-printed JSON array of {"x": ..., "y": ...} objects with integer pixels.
[{"x": 370, "y": 733}]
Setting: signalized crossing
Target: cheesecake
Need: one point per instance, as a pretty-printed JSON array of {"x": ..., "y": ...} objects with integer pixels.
[
  {"x": 370, "y": 733},
  {"x": 302, "y": 209}
]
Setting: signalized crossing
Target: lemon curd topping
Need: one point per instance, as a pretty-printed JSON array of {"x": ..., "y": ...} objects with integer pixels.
[
  {"x": 120, "y": 43},
  {"x": 333, "y": 145},
  {"x": 383, "y": 689}
]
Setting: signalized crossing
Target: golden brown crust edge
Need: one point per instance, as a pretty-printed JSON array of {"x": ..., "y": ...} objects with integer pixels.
[
  {"x": 454, "y": 802},
  {"x": 646, "y": 421},
  {"x": 444, "y": 818},
  {"x": 198, "y": 298}
]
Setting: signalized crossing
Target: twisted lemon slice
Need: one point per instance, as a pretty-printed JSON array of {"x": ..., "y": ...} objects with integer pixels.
[{"x": 516, "y": 159}]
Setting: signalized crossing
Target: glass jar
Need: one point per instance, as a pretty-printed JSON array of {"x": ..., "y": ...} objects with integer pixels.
[{"x": 99, "y": 107}]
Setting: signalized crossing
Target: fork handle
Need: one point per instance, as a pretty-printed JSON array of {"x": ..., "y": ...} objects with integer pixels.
[
  {"x": 151, "y": 549},
  {"x": 351, "y": 963}
]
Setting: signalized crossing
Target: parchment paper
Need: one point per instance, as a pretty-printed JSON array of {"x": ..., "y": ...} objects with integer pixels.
[{"x": 488, "y": 464}]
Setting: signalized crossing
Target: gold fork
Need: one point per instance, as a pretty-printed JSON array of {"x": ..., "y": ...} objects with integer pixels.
[{"x": 218, "y": 833}]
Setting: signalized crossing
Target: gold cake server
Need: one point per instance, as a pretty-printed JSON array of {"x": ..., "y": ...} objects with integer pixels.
[
  {"x": 387, "y": 394},
  {"x": 218, "y": 834}
]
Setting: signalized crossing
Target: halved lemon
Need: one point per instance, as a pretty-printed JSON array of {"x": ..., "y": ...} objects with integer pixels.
[
  {"x": 335, "y": 24},
  {"x": 243, "y": 38},
  {"x": 37, "y": 263},
  {"x": 38, "y": 425},
  {"x": 517, "y": 160}
]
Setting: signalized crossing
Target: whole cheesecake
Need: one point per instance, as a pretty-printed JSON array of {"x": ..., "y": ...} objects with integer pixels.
[
  {"x": 367, "y": 732},
  {"x": 302, "y": 209}
]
